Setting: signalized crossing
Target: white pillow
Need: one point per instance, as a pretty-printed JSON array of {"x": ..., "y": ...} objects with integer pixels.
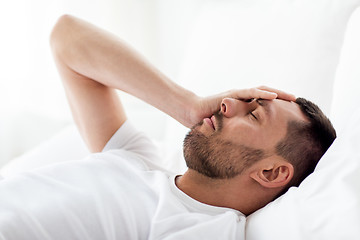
[
  {"x": 326, "y": 204},
  {"x": 347, "y": 84},
  {"x": 289, "y": 44}
]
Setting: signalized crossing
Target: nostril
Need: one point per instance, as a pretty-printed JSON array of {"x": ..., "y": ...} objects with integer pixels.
[{"x": 223, "y": 107}]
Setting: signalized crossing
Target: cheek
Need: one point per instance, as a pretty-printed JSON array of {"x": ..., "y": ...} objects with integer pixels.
[
  {"x": 260, "y": 141},
  {"x": 251, "y": 136},
  {"x": 240, "y": 133}
]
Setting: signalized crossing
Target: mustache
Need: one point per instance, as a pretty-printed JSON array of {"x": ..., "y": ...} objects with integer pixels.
[{"x": 219, "y": 118}]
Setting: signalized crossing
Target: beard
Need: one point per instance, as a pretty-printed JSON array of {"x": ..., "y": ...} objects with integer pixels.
[{"x": 215, "y": 157}]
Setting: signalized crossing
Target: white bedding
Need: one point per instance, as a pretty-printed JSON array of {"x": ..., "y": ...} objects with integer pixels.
[{"x": 294, "y": 45}]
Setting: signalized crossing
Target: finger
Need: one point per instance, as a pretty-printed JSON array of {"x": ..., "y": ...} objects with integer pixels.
[
  {"x": 254, "y": 93},
  {"x": 280, "y": 94}
]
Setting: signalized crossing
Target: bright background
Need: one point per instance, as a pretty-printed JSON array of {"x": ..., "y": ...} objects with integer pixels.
[{"x": 32, "y": 102}]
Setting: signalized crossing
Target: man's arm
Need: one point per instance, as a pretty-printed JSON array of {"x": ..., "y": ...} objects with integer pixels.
[{"x": 92, "y": 63}]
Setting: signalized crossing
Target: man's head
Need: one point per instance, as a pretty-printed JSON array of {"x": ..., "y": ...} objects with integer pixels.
[
  {"x": 277, "y": 143},
  {"x": 306, "y": 142}
]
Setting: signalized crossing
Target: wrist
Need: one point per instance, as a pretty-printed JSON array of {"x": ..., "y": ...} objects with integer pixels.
[
  {"x": 187, "y": 107},
  {"x": 192, "y": 110}
]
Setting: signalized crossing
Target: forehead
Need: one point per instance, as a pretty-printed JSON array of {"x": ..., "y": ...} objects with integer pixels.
[
  {"x": 285, "y": 110},
  {"x": 278, "y": 114}
]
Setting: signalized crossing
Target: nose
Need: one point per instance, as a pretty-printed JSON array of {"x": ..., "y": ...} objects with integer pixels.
[{"x": 231, "y": 107}]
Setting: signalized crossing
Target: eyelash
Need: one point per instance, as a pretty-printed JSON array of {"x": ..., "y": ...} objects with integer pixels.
[{"x": 251, "y": 113}]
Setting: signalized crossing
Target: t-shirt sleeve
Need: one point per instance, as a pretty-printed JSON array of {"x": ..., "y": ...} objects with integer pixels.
[{"x": 128, "y": 138}]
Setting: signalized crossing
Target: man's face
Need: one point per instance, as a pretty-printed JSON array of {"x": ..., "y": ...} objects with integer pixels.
[{"x": 240, "y": 134}]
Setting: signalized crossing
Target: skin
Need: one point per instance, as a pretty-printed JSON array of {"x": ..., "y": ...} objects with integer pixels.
[
  {"x": 260, "y": 183},
  {"x": 261, "y": 130},
  {"x": 241, "y": 133},
  {"x": 93, "y": 63}
]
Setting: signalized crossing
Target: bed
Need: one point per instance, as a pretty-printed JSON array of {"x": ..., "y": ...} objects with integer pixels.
[{"x": 307, "y": 47}]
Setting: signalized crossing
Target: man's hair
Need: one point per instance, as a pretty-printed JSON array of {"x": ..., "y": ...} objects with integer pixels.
[{"x": 306, "y": 142}]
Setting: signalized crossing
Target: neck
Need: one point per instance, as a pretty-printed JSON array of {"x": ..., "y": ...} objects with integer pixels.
[{"x": 231, "y": 193}]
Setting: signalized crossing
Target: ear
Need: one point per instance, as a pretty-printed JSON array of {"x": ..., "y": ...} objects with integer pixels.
[{"x": 273, "y": 175}]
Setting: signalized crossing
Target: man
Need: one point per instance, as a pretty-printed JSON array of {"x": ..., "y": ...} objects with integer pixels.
[{"x": 245, "y": 148}]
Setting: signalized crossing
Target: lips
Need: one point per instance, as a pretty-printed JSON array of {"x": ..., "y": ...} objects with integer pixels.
[
  {"x": 213, "y": 120},
  {"x": 210, "y": 122}
]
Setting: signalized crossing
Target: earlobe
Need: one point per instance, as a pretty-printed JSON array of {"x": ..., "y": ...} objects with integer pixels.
[{"x": 274, "y": 176}]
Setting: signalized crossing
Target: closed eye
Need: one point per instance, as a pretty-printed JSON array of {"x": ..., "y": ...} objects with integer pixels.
[{"x": 253, "y": 115}]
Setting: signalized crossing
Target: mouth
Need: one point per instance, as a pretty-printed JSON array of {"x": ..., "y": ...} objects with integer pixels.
[
  {"x": 210, "y": 121},
  {"x": 213, "y": 120}
]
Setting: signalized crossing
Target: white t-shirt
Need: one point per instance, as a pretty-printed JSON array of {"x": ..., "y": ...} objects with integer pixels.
[{"x": 120, "y": 193}]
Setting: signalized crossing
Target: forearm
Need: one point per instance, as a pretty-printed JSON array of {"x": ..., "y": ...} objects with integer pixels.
[{"x": 104, "y": 58}]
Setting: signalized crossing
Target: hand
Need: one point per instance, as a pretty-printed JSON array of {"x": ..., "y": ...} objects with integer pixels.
[{"x": 205, "y": 107}]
